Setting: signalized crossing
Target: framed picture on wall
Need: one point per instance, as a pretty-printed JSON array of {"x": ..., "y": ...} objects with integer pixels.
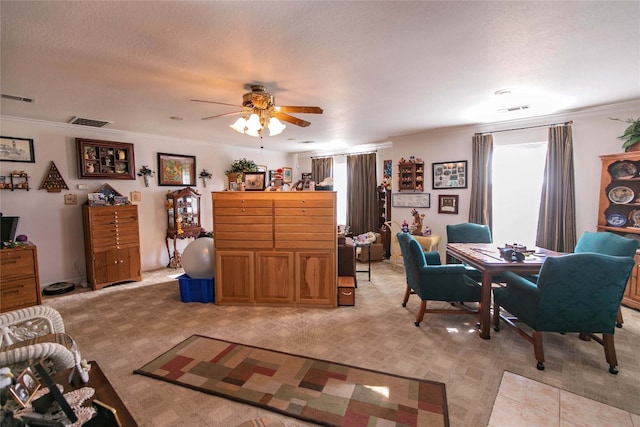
[
  {"x": 449, "y": 175},
  {"x": 176, "y": 169},
  {"x": 287, "y": 174},
  {"x": 16, "y": 150},
  {"x": 448, "y": 204}
]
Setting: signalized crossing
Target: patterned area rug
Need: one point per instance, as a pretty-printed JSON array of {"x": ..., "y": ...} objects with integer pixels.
[{"x": 318, "y": 391}]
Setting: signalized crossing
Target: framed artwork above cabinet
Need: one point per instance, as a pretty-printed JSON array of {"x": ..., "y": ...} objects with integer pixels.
[{"x": 105, "y": 159}]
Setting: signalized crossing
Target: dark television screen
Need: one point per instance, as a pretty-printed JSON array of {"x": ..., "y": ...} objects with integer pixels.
[{"x": 8, "y": 226}]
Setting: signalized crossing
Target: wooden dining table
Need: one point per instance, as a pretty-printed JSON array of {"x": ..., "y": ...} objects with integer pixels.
[{"x": 485, "y": 257}]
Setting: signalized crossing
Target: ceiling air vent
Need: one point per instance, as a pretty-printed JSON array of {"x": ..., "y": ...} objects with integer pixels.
[
  {"x": 18, "y": 98},
  {"x": 88, "y": 122},
  {"x": 511, "y": 109}
]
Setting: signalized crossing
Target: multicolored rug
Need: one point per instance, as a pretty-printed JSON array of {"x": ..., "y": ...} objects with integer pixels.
[{"x": 322, "y": 392}]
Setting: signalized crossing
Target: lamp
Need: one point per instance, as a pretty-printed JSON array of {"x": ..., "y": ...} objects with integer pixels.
[{"x": 256, "y": 122}]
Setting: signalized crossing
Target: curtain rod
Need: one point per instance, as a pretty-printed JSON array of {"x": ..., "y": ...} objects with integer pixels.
[
  {"x": 344, "y": 154},
  {"x": 523, "y": 128}
]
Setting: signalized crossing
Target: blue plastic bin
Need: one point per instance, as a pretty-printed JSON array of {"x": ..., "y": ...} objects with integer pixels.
[{"x": 195, "y": 290}]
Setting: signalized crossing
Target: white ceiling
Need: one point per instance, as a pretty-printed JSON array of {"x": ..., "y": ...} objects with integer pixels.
[{"x": 378, "y": 69}]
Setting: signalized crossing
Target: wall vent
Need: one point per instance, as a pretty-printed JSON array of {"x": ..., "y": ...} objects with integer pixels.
[
  {"x": 18, "y": 98},
  {"x": 88, "y": 122}
]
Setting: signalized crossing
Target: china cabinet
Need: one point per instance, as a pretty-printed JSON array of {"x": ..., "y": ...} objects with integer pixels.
[
  {"x": 275, "y": 248},
  {"x": 183, "y": 219},
  {"x": 19, "y": 278},
  {"x": 619, "y": 208},
  {"x": 105, "y": 159},
  {"x": 112, "y": 244},
  {"x": 411, "y": 176}
]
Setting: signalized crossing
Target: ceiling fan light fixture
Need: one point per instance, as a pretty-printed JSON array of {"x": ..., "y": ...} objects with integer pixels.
[
  {"x": 275, "y": 127},
  {"x": 253, "y": 124},
  {"x": 239, "y": 125},
  {"x": 253, "y": 132}
]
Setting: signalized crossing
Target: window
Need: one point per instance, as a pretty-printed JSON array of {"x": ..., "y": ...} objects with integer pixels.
[
  {"x": 518, "y": 171},
  {"x": 340, "y": 187}
]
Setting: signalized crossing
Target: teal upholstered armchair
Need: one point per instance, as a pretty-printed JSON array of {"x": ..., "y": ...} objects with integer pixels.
[
  {"x": 607, "y": 243},
  {"x": 575, "y": 293},
  {"x": 432, "y": 281},
  {"x": 468, "y": 232}
]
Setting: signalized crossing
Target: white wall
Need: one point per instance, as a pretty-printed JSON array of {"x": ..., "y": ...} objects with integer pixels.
[
  {"x": 594, "y": 134},
  {"x": 56, "y": 228}
]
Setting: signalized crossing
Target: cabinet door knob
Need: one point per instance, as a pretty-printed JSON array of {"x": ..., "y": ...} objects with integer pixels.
[
  {"x": 244, "y": 210},
  {"x": 304, "y": 210}
]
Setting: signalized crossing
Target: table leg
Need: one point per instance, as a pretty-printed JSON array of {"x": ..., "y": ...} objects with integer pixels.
[
  {"x": 369, "y": 262},
  {"x": 485, "y": 306}
]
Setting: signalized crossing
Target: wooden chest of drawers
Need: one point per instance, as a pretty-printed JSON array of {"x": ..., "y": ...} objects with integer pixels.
[
  {"x": 112, "y": 244},
  {"x": 275, "y": 248},
  {"x": 19, "y": 278}
]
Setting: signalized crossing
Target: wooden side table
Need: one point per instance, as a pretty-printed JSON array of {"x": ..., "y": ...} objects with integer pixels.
[
  {"x": 104, "y": 392},
  {"x": 428, "y": 242}
]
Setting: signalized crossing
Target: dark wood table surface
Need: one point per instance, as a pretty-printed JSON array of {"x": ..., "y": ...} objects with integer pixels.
[
  {"x": 485, "y": 257},
  {"x": 104, "y": 392}
]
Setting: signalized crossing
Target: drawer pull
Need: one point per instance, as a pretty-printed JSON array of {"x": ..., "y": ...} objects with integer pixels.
[
  {"x": 304, "y": 210},
  {"x": 244, "y": 210},
  {"x": 346, "y": 294},
  {"x": 8, "y": 292}
]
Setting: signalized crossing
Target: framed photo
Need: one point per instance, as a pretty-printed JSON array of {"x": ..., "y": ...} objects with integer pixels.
[
  {"x": 16, "y": 150},
  {"x": 306, "y": 176},
  {"x": 387, "y": 168},
  {"x": 135, "y": 196},
  {"x": 450, "y": 175},
  {"x": 400, "y": 200},
  {"x": 448, "y": 204},
  {"x": 70, "y": 199},
  {"x": 261, "y": 168},
  {"x": 25, "y": 387},
  {"x": 176, "y": 169},
  {"x": 272, "y": 175},
  {"x": 287, "y": 174},
  {"x": 254, "y": 181}
]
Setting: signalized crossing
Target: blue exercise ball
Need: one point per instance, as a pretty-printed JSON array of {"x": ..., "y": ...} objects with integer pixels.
[{"x": 197, "y": 259}]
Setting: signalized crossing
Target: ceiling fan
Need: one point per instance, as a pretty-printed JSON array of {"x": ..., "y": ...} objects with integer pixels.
[{"x": 259, "y": 110}]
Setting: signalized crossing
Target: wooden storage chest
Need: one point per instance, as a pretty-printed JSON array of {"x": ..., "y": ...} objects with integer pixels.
[{"x": 19, "y": 278}]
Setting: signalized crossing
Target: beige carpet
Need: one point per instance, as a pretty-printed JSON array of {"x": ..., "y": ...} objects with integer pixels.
[{"x": 124, "y": 326}]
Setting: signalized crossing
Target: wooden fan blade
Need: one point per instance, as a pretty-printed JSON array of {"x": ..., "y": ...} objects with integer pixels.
[
  {"x": 290, "y": 119},
  {"x": 299, "y": 109},
  {"x": 222, "y": 115},
  {"x": 214, "y": 102}
]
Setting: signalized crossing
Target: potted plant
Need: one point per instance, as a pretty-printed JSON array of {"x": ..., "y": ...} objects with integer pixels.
[
  {"x": 238, "y": 167},
  {"x": 631, "y": 135},
  {"x": 145, "y": 172}
]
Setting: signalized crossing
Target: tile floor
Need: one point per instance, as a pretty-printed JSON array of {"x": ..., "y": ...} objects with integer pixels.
[{"x": 524, "y": 402}]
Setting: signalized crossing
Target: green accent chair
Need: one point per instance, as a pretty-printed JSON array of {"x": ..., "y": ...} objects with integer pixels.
[
  {"x": 431, "y": 281},
  {"x": 575, "y": 293},
  {"x": 604, "y": 242},
  {"x": 468, "y": 232}
]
